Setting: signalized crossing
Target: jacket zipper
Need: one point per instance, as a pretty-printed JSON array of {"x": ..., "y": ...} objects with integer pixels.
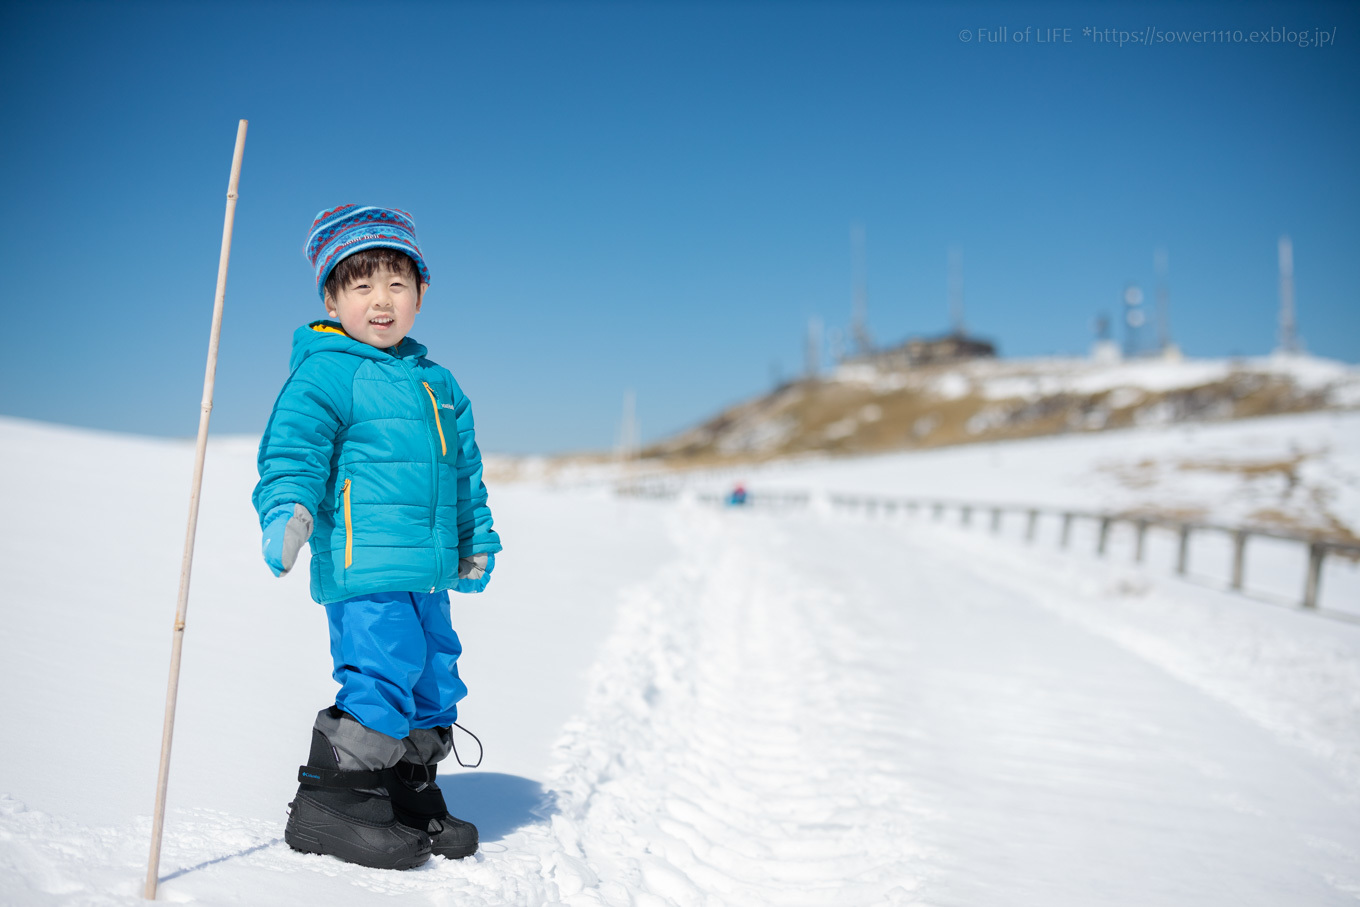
[
  {"x": 434, "y": 478},
  {"x": 434, "y": 404},
  {"x": 349, "y": 530}
]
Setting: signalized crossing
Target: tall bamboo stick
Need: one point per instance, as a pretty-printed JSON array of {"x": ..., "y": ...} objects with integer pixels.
[{"x": 177, "y": 644}]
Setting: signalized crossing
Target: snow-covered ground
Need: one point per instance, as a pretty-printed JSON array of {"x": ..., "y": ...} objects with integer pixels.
[
  {"x": 1299, "y": 472},
  {"x": 1225, "y": 472},
  {"x": 1132, "y": 379},
  {"x": 686, "y": 705}
]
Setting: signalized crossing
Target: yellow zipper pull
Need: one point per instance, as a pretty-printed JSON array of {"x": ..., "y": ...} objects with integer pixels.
[{"x": 434, "y": 402}]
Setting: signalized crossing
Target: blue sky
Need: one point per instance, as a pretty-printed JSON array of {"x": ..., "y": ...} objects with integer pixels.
[{"x": 653, "y": 196}]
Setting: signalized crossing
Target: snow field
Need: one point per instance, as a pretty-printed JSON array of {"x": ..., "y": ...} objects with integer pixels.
[
  {"x": 1166, "y": 467},
  {"x": 1294, "y": 673},
  {"x": 682, "y": 705},
  {"x": 1069, "y": 740},
  {"x": 1207, "y": 472},
  {"x": 1274, "y": 572}
]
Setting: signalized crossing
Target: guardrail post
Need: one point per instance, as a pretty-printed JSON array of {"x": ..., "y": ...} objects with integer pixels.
[
  {"x": 1140, "y": 541},
  {"x": 1312, "y": 584},
  {"x": 1104, "y": 535},
  {"x": 1239, "y": 558},
  {"x": 965, "y": 515},
  {"x": 1183, "y": 551},
  {"x": 1066, "y": 530},
  {"x": 939, "y": 511},
  {"x": 1031, "y": 524},
  {"x": 911, "y": 508},
  {"x": 996, "y": 519}
]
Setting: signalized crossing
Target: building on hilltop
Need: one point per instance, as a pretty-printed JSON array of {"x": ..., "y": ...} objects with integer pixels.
[{"x": 952, "y": 347}]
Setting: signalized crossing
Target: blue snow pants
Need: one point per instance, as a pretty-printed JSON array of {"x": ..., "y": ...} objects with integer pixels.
[{"x": 396, "y": 660}]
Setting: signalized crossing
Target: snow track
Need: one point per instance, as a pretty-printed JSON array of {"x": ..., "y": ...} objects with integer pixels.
[
  {"x": 726, "y": 753},
  {"x": 808, "y": 710}
]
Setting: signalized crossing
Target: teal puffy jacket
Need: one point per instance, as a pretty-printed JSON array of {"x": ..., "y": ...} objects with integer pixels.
[{"x": 378, "y": 445}]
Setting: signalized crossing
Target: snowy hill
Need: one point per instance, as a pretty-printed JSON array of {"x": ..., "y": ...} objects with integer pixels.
[
  {"x": 687, "y": 705},
  {"x": 1292, "y": 472},
  {"x": 866, "y": 407}
]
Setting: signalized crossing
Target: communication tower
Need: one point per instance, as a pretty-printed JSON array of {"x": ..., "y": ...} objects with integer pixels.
[
  {"x": 859, "y": 323},
  {"x": 1289, "y": 340},
  {"x": 812, "y": 362},
  {"x": 629, "y": 446}
]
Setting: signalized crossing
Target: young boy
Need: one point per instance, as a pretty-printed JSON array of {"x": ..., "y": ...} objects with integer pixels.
[{"x": 369, "y": 455}]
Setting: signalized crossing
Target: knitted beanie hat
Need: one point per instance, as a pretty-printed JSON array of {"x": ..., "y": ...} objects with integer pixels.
[{"x": 340, "y": 232}]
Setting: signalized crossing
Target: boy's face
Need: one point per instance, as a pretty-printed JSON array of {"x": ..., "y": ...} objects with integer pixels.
[{"x": 378, "y": 310}]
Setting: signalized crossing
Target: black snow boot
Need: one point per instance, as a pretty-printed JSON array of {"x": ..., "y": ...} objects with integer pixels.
[
  {"x": 418, "y": 802},
  {"x": 348, "y": 814}
]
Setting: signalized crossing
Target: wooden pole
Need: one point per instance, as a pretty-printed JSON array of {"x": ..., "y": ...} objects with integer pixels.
[
  {"x": 1183, "y": 550},
  {"x": 186, "y": 564},
  {"x": 1239, "y": 560},
  {"x": 1313, "y": 581}
]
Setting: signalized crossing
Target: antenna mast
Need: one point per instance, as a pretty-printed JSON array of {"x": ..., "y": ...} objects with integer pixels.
[
  {"x": 813, "y": 353},
  {"x": 1289, "y": 341},
  {"x": 1159, "y": 262},
  {"x": 859, "y": 324},
  {"x": 628, "y": 431}
]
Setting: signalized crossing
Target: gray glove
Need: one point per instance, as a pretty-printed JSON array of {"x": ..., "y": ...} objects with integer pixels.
[
  {"x": 472, "y": 567},
  {"x": 286, "y": 528}
]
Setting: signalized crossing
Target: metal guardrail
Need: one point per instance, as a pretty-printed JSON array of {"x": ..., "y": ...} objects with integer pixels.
[{"x": 1319, "y": 547}]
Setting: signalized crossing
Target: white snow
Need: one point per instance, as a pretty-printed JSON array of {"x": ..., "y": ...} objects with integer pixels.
[
  {"x": 690, "y": 705},
  {"x": 1032, "y": 379},
  {"x": 1211, "y": 470}
]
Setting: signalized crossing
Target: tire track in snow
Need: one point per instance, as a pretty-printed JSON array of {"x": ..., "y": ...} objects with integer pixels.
[{"x": 731, "y": 749}]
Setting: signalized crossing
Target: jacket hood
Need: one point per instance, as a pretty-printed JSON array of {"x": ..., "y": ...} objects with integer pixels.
[{"x": 329, "y": 336}]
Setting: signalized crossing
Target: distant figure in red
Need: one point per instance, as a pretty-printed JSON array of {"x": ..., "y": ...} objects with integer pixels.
[{"x": 738, "y": 496}]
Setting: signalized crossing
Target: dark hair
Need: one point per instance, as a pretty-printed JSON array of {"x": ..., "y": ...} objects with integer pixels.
[{"x": 366, "y": 264}]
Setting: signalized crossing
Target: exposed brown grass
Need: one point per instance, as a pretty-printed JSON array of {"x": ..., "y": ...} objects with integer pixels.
[
  {"x": 1155, "y": 514},
  {"x": 1324, "y": 524},
  {"x": 912, "y": 418},
  {"x": 1286, "y": 468}
]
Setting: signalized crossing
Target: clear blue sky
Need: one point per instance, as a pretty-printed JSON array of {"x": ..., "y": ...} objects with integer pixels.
[{"x": 652, "y": 195}]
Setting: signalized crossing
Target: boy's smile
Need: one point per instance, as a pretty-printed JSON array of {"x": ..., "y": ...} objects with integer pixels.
[{"x": 377, "y": 310}]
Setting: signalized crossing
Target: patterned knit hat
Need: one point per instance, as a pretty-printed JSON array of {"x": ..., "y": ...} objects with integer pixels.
[{"x": 340, "y": 232}]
